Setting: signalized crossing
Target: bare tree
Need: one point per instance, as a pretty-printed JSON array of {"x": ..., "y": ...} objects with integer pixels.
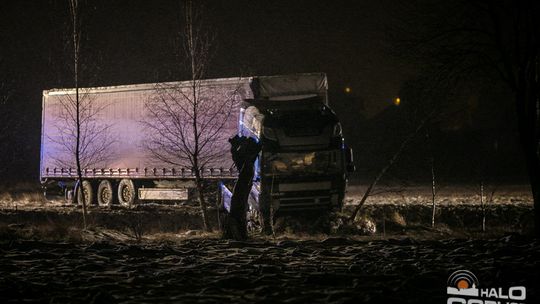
[
  {"x": 488, "y": 180},
  {"x": 486, "y": 200},
  {"x": 433, "y": 191},
  {"x": 425, "y": 107},
  {"x": 391, "y": 162},
  {"x": 498, "y": 39},
  {"x": 434, "y": 180},
  {"x": 76, "y": 43},
  {"x": 422, "y": 106},
  {"x": 186, "y": 121}
]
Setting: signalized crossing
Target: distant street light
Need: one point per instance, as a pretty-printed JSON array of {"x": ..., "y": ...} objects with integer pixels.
[
  {"x": 348, "y": 90},
  {"x": 397, "y": 101}
]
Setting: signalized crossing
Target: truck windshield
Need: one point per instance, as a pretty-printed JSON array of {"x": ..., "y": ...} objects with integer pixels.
[
  {"x": 312, "y": 163},
  {"x": 314, "y": 117}
]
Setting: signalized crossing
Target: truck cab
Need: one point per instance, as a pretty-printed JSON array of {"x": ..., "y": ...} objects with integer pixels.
[{"x": 303, "y": 164}]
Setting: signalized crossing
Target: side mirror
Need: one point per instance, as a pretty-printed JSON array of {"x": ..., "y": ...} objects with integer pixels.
[{"x": 350, "y": 162}]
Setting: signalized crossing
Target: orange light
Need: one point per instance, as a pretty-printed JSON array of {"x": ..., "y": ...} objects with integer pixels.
[
  {"x": 397, "y": 101},
  {"x": 348, "y": 90}
]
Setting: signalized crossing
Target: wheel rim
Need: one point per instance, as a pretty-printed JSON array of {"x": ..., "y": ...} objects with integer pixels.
[
  {"x": 105, "y": 196},
  {"x": 126, "y": 195}
]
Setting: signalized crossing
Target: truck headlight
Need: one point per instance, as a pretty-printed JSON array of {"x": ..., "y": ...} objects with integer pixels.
[
  {"x": 338, "y": 132},
  {"x": 269, "y": 133}
]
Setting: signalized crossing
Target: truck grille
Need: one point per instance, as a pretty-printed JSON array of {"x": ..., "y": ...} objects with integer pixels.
[
  {"x": 304, "y": 203},
  {"x": 296, "y": 132}
]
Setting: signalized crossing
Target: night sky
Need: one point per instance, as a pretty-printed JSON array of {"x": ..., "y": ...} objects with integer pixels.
[
  {"x": 127, "y": 42},
  {"x": 132, "y": 42}
]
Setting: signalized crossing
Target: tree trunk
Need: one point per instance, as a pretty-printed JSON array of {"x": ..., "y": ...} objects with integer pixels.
[
  {"x": 534, "y": 178},
  {"x": 74, "y": 6},
  {"x": 236, "y": 226},
  {"x": 78, "y": 160},
  {"x": 483, "y": 206},
  {"x": 527, "y": 111},
  {"x": 202, "y": 201},
  {"x": 244, "y": 153},
  {"x": 433, "y": 192}
]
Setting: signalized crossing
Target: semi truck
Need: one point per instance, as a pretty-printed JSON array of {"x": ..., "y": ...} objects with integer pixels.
[{"x": 303, "y": 164}]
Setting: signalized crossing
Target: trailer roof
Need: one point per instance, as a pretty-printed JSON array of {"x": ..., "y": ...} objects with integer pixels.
[
  {"x": 268, "y": 86},
  {"x": 145, "y": 86}
]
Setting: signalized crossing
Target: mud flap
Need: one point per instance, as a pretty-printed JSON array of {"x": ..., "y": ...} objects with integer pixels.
[
  {"x": 223, "y": 202},
  {"x": 225, "y": 197}
]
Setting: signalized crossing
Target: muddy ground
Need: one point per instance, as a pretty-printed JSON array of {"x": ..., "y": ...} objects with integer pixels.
[{"x": 152, "y": 253}]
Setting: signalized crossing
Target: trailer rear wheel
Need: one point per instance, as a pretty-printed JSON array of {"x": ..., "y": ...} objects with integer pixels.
[
  {"x": 105, "y": 193},
  {"x": 88, "y": 191},
  {"x": 127, "y": 193}
]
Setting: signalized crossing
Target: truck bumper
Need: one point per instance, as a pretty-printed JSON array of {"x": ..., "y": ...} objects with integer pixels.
[{"x": 316, "y": 195}]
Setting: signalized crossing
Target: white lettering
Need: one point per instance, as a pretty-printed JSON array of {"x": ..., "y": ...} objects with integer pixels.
[
  {"x": 501, "y": 294},
  {"x": 517, "y": 293},
  {"x": 456, "y": 301}
]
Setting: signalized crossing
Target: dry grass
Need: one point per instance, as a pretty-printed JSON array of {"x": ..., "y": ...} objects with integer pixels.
[
  {"x": 446, "y": 195},
  {"x": 24, "y": 214},
  {"x": 52, "y": 232},
  {"x": 22, "y": 194}
]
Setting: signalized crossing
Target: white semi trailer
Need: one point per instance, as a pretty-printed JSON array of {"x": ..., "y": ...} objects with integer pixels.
[{"x": 303, "y": 162}]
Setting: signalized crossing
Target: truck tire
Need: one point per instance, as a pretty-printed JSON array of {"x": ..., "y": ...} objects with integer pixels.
[
  {"x": 127, "y": 193},
  {"x": 105, "y": 193},
  {"x": 88, "y": 191}
]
